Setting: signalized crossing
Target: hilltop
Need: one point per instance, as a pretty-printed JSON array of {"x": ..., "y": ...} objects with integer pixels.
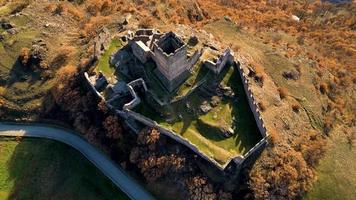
[{"x": 300, "y": 56}]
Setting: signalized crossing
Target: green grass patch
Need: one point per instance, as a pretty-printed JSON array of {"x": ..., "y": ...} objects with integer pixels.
[
  {"x": 43, "y": 169},
  {"x": 336, "y": 172},
  {"x": 197, "y": 76},
  {"x": 13, "y": 7},
  {"x": 104, "y": 61}
]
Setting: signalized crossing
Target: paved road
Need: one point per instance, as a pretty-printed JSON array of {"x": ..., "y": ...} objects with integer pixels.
[{"x": 99, "y": 159}]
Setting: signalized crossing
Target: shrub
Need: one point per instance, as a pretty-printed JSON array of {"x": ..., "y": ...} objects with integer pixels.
[
  {"x": 58, "y": 10},
  {"x": 259, "y": 77},
  {"x": 25, "y": 56},
  {"x": 283, "y": 92},
  {"x": 296, "y": 107},
  {"x": 95, "y": 24},
  {"x": 76, "y": 12},
  {"x": 262, "y": 106},
  {"x": 274, "y": 137},
  {"x": 66, "y": 71},
  {"x": 113, "y": 127},
  {"x": 145, "y": 22},
  {"x": 323, "y": 88},
  {"x": 2, "y": 90}
]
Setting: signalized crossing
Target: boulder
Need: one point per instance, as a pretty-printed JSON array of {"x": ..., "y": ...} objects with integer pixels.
[
  {"x": 205, "y": 107},
  {"x": 227, "y": 132},
  {"x": 227, "y": 18},
  {"x": 227, "y": 91},
  {"x": 291, "y": 75},
  {"x": 7, "y": 25},
  {"x": 12, "y": 31},
  {"x": 215, "y": 101}
]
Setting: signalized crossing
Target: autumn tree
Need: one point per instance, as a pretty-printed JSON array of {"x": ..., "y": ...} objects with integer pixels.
[
  {"x": 25, "y": 56},
  {"x": 112, "y": 127}
]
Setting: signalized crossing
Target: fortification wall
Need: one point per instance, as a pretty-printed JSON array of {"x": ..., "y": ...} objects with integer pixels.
[
  {"x": 194, "y": 59},
  {"x": 226, "y": 58},
  {"x": 141, "y": 51},
  {"x": 239, "y": 160},
  {"x": 174, "y": 136}
]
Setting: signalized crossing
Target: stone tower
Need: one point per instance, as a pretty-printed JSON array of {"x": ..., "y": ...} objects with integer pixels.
[{"x": 170, "y": 56}]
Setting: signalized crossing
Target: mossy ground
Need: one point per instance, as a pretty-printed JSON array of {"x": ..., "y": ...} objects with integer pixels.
[{"x": 104, "y": 61}]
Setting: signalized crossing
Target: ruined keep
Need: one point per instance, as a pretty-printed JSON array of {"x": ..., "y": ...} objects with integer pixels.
[{"x": 170, "y": 55}]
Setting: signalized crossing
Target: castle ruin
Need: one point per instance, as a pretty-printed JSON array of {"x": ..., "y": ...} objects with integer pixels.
[{"x": 167, "y": 55}]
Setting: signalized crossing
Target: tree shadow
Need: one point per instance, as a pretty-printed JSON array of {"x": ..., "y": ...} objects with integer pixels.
[
  {"x": 19, "y": 73},
  {"x": 44, "y": 169}
]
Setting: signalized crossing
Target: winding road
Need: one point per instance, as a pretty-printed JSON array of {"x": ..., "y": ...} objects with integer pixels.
[{"x": 118, "y": 176}]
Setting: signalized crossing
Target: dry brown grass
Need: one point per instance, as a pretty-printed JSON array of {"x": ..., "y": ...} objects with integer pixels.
[
  {"x": 94, "y": 24},
  {"x": 65, "y": 72},
  {"x": 145, "y": 22},
  {"x": 64, "y": 55}
]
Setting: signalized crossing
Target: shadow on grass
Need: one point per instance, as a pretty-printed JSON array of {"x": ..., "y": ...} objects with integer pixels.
[
  {"x": 18, "y": 73},
  {"x": 43, "y": 169},
  {"x": 244, "y": 123}
]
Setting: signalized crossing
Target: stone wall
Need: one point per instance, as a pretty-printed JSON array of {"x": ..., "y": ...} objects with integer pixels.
[
  {"x": 177, "y": 62},
  {"x": 141, "y": 51},
  {"x": 226, "y": 58},
  {"x": 172, "y": 135},
  {"x": 101, "y": 42},
  {"x": 194, "y": 59}
]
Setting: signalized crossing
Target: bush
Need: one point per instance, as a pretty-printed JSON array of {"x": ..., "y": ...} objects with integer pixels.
[
  {"x": 76, "y": 12},
  {"x": 262, "y": 106},
  {"x": 94, "y": 24},
  {"x": 58, "y": 10},
  {"x": 323, "y": 88},
  {"x": 25, "y": 56},
  {"x": 65, "y": 72},
  {"x": 145, "y": 22},
  {"x": 296, "y": 107},
  {"x": 283, "y": 92}
]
